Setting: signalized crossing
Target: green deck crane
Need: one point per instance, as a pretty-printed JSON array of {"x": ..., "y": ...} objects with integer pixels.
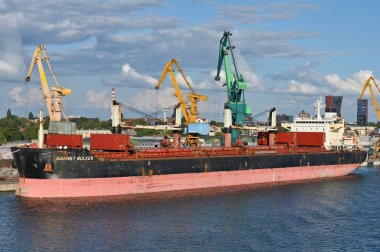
[{"x": 235, "y": 83}]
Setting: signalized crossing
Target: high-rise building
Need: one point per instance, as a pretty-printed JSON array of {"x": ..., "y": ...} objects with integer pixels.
[
  {"x": 362, "y": 112},
  {"x": 334, "y": 104}
]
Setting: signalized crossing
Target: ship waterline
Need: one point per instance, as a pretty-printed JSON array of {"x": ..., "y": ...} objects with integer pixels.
[
  {"x": 78, "y": 173},
  {"x": 87, "y": 187}
]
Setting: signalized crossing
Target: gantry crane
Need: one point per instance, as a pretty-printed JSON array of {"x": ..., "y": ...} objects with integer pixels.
[
  {"x": 190, "y": 115},
  {"x": 368, "y": 84},
  {"x": 52, "y": 99},
  {"x": 236, "y": 110}
]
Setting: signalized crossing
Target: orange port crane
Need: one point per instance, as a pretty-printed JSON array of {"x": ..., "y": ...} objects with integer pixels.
[
  {"x": 368, "y": 84},
  {"x": 191, "y": 115},
  {"x": 52, "y": 99}
]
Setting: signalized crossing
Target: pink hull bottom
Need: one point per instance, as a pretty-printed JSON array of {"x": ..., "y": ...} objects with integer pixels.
[{"x": 61, "y": 188}]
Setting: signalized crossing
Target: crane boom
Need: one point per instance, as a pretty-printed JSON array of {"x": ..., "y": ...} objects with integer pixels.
[
  {"x": 190, "y": 116},
  {"x": 52, "y": 99},
  {"x": 368, "y": 84},
  {"x": 45, "y": 87},
  {"x": 192, "y": 130},
  {"x": 234, "y": 81}
]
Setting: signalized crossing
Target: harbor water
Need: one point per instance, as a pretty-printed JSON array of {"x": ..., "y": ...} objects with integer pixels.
[{"x": 340, "y": 214}]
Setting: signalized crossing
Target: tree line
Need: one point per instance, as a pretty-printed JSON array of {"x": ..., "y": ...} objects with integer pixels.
[{"x": 15, "y": 128}]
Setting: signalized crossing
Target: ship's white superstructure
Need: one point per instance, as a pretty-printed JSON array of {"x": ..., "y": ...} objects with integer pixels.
[{"x": 330, "y": 124}]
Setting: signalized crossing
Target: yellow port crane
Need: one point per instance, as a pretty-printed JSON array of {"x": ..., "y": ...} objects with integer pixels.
[
  {"x": 368, "y": 84},
  {"x": 52, "y": 99},
  {"x": 189, "y": 115}
]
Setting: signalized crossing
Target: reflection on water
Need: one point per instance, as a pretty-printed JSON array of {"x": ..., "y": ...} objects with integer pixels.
[{"x": 327, "y": 214}]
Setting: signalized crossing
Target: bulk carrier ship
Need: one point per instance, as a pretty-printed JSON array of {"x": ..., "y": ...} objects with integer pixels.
[
  {"x": 61, "y": 167},
  {"x": 113, "y": 167}
]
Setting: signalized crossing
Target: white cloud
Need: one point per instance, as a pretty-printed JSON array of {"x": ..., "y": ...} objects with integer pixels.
[
  {"x": 304, "y": 88},
  {"x": 303, "y": 92},
  {"x": 309, "y": 82},
  {"x": 257, "y": 13},
  {"x": 3, "y": 5},
  {"x": 86, "y": 40},
  {"x": 122, "y": 35},
  {"x": 15, "y": 95},
  {"x": 129, "y": 77},
  {"x": 293, "y": 6},
  {"x": 33, "y": 97},
  {"x": 136, "y": 79},
  {"x": 301, "y": 73},
  {"x": 352, "y": 85},
  {"x": 96, "y": 99},
  {"x": 7, "y": 68},
  {"x": 253, "y": 81},
  {"x": 245, "y": 14},
  {"x": 151, "y": 100},
  {"x": 11, "y": 59},
  {"x": 208, "y": 82},
  {"x": 181, "y": 81},
  {"x": 66, "y": 24}
]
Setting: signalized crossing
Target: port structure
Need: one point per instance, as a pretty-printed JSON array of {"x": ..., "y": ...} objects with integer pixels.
[
  {"x": 194, "y": 127},
  {"x": 118, "y": 125},
  {"x": 368, "y": 85},
  {"x": 236, "y": 111},
  {"x": 150, "y": 117},
  {"x": 53, "y": 98}
]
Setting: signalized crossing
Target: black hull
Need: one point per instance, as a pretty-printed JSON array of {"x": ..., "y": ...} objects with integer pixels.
[{"x": 72, "y": 164}]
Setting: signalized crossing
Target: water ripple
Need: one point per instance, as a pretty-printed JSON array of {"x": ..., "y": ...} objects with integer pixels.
[{"x": 319, "y": 215}]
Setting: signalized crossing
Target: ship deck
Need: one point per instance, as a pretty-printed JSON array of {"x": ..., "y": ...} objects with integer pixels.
[{"x": 203, "y": 152}]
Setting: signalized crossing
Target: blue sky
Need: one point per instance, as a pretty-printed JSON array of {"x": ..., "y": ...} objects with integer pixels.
[{"x": 290, "y": 52}]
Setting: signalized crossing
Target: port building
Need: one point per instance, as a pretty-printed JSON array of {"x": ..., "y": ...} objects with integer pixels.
[
  {"x": 334, "y": 104},
  {"x": 362, "y": 112}
]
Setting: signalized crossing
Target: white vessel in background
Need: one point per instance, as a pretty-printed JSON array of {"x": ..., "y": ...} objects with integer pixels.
[{"x": 333, "y": 126}]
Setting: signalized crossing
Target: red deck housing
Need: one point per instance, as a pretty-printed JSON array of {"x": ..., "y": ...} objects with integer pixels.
[
  {"x": 62, "y": 140},
  {"x": 310, "y": 138},
  {"x": 110, "y": 142},
  {"x": 301, "y": 138}
]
